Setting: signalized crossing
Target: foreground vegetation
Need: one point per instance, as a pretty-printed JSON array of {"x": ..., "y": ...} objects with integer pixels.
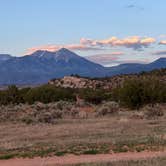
[
  {"x": 147, "y": 162},
  {"x": 48, "y": 120},
  {"x": 138, "y": 92},
  {"x": 52, "y": 112},
  {"x": 123, "y": 132},
  {"x": 133, "y": 93}
]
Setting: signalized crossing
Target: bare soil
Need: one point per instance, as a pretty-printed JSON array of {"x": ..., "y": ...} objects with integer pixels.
[{"x": 73, "y": 159}]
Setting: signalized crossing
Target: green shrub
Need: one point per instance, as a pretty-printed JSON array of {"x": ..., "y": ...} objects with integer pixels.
[
  {"x": 92, "y": 96},
  {"x": 49, "y": 93},
  {"x": 91, "y": 151},
  {"x": 137, "y": 92}
]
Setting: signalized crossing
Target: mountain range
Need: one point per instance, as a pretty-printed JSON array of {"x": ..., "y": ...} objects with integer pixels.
[{"x": 41, "y": 66}]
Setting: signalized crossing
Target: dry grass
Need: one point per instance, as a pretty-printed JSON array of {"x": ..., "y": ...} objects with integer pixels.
[
  {"x": 119, "y": 133},
  {"x": 149, "y": 162},
  {"x": 45, "y": 113}
]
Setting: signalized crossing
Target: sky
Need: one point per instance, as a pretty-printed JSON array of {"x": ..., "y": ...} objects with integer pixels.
[{"x": 105, "y": 31}]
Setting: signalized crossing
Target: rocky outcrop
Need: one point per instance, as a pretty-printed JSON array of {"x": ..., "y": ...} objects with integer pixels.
[{"x": 107, "y": 82}]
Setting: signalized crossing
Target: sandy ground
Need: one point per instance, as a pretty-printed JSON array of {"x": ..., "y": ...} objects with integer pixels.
[{"x": 72, "y": 159}]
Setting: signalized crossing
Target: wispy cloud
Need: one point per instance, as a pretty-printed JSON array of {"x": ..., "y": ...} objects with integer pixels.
[
  {"x": 162, "y": 36},
  {"x": 53, "y": 48},
  {"x": 134, "y": 5},
  {"x": 163, "y": 42},
  {"x": 105, "y": 59},
  {"x": 130, "y": 6},
  {"x": 143, "y": 61},
  {"x": 159, "y": 53},
  {"x": 135, "y": 42}
]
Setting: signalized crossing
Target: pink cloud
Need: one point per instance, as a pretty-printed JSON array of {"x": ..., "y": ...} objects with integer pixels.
[
  {"x": 162, "y": 36},
  {"x": 163, "y": 42},
  {"x": 105, "y": 58},
  {"x": 134, "y": 42},
  {"x": 53, "y": 48},
  {"x": 143, "y": 61},
  {"x": 147, "y": 41},
  {"x": 161, "y": 53}
]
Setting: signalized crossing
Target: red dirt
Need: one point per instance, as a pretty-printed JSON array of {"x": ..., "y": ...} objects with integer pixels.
[{"x": 72, "y": 159}]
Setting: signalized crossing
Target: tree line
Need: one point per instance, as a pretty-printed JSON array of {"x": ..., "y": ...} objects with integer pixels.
[{"x": 134, "y": 93}]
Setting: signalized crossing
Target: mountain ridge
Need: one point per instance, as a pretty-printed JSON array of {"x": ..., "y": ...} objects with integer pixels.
[{"x": 42, "y": 66}]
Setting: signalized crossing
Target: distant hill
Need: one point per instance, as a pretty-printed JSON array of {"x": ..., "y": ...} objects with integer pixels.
[
  {"x": 41, "y": 66},
  {"x": 4, "y": 57},
  {"x": 105, "y": 82},
  {"x": 136, "y": 68}
]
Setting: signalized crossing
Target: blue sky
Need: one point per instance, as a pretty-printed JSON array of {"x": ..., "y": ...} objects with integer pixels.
[{"x": 26, "y": 25}]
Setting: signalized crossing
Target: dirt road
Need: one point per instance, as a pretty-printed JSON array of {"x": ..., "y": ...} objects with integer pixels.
[{"x": 72, "y": 159}]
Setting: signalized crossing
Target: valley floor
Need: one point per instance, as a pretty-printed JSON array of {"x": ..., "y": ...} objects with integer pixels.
[{"x": 115, "y": 137}]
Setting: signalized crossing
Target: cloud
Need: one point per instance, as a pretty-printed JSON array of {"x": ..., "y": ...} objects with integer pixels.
[
  {"x": 105, "y": 59},
  {"x": 116, "y": 53},
  {"x": 162, "y": 36},
  {"x": 163, "y": 42},
  {"x": 159, "y": 53},
  {"x": 108, "y": 61},
  {"x": 134, "y": 42},
  {"x": 143, "y": 61},
  {"x": 130, "y": 6},
  {"x": 53, "y": 48},
  {"x": 134, "y": 5}
]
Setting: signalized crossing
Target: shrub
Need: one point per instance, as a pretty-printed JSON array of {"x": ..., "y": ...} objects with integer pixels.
[
  {"x": 10, "y": 96},
  {"x": 27, "y": 120},
  {"x": 49, "y": 93},
  {"x": 137, "y": 92},
  {"x": 153, "y": 111},
  {"x": 49, "y": 117},
  {"x": 107, "y": 109},
  {"x": 92, "y": 96}
]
